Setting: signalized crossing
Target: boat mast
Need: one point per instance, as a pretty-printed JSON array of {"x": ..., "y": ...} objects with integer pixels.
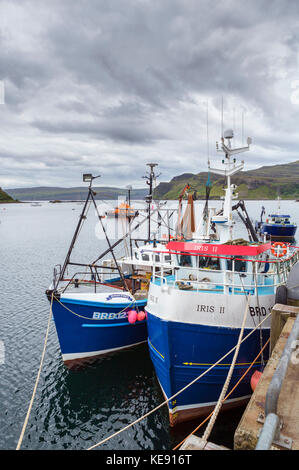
[
  {"x": 87, "y": 177},
  {"x": 230, "y": 169},
  {"x": 90, "y": 196},
  {"x": 150, "y": 177}
]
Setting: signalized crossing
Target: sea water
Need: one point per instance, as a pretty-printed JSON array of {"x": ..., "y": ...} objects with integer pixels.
[{"x": 76, "y": 409}]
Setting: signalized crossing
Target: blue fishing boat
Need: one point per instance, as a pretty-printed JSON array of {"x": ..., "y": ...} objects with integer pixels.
[
  {"x": 94, "y": 324},
  {"x": 195, "y": 314},
  {"x": 277, "y": 226},
  {"x": 98, "y": 308},
  {"x": 93, "y": 316}
]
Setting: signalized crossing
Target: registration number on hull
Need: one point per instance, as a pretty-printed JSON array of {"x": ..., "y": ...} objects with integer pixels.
[{"x": 109, "y": 315}]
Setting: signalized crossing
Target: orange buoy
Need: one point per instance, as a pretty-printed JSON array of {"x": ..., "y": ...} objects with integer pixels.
[
  {"x": 278, "y": 249},
  {"x": 255, "y": 379}
]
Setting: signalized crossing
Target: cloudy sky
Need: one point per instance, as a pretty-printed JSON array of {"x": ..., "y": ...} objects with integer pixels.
[{"x": 105, "y": 86}]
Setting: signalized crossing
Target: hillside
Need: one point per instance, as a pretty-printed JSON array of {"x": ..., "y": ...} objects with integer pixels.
[
  {"x": 4, "y": 197},
  {"x": 74, "y": 194},
  {"x": 266, "y": 182}
]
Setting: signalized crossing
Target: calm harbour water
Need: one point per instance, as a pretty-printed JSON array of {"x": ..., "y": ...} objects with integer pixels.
[{"x": 76, "y": 409}]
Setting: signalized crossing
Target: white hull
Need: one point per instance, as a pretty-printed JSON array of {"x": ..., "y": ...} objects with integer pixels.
[{"x": 208, "y": 308}]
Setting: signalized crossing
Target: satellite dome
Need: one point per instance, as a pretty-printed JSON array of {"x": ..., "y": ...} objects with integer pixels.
[{"x": 228, "y": 134}]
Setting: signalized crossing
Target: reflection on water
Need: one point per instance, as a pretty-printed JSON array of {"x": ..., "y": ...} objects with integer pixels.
[{"x": 75, "y": 409}]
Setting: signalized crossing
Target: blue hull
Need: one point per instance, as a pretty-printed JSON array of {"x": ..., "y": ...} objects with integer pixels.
[
  {"x": 95, "y": 329},
  {"x": 279, "y": 231},
  {"x": 181, "y": 352}
]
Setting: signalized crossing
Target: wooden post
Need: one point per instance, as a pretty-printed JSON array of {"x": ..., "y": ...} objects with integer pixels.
[
  {"x": 247, "y": 432},
  {"x": 293, "y": 302},
  {"x": 280, "y": 315}
]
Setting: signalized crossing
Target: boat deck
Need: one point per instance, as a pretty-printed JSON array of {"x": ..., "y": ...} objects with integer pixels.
[{"x": 208, "y": 287}]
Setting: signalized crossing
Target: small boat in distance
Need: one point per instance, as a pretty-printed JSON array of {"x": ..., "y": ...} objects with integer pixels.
[
  {"x": 123, "y": 210},
  {"x": 277, "y": 226}
]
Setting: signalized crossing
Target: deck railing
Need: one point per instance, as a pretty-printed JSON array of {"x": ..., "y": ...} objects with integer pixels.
[{"x": 227, "y": 281}]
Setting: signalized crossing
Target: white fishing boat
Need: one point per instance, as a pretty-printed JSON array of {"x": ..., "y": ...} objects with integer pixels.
[{"x": 195, "y": 313}]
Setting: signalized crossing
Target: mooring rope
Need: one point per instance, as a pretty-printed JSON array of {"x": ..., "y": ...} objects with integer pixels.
[
  {"x": 37, "y": 380},
  {"x": 258, "y": 305},
  {"x": 228, "y": 379},
  {"x": 227, "y": 396},
  {"x": 180, "y": 391},
  {"x": 151, "y": 411}
]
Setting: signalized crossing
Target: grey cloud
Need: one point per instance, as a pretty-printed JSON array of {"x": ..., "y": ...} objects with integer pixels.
[
  {"x": 127, "y": 132},
  {"x": 128, "y": 79}
]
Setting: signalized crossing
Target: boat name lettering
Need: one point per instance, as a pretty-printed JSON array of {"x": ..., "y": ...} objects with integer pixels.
[
  {"x": 108, "y": 315},
  {"x": 258, "y": 311},
  {"x": 153, "y": 299},
  {"x": 209, "y": 308},
  {"x": 113, "y": 296},
  {"x": 206, "y": 248}
]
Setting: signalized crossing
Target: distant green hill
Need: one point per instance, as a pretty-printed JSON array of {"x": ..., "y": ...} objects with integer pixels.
[
  {"x": 4, "y": 197},
  {"x": 266, "y": 182},
  {"x": 74, "y": 194}
]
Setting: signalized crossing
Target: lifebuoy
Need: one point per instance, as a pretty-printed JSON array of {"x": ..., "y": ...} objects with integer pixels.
[{"x": 277, "y": 251}]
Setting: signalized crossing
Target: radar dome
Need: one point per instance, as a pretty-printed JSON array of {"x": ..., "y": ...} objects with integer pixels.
[{"x": 228, "y": 134}]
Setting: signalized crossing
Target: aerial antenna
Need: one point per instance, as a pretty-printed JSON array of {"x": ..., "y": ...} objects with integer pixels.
[
  {"x": 234, "y": 120},
  {"x": 207, "y": 126},
  {"x": 221, "y": 116},
  {"x": 208, "y": 148},
  {"x": 150, "y": 178},
  {"x": 243, "y": 127}
]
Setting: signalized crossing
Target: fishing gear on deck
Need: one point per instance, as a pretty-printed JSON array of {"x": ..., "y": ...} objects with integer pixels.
[{"x": 246, "y": 220}]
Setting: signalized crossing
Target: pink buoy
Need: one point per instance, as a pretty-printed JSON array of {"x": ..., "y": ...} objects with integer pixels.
[
  {"x": 255, "y": 379},
  {"x": 140, "y": 315},
  {"x": 132, "y": 316}
]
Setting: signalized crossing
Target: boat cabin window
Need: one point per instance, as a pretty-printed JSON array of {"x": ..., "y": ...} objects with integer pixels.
[
  {"x": 185, "y": 260},
  {"x": 208, "y": 262},
  {"x": 145, "y": 257},
  {"x": 240, "y": 264},
  {"x": 157, "y": 258},
  {"x": 167, "y": 258}
]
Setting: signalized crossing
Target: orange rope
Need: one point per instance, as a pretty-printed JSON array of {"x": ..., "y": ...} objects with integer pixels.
[{"x": 226, "y": 397}]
